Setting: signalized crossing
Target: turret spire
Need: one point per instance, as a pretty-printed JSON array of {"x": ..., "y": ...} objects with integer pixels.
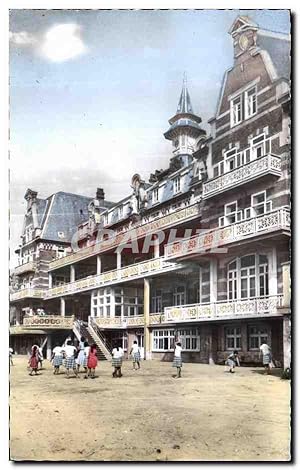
[{"x": 184, "y": 105}]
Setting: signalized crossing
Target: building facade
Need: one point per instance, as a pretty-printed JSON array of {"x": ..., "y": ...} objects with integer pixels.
[{"x": 201, "y": 251}]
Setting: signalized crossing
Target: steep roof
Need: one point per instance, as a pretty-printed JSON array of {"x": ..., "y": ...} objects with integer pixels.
[
  {"x": 279, "y": 48},
  {"x": 65, "y": 211}
]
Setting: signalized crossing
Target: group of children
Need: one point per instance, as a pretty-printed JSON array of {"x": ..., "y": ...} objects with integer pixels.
[{"x": 85, "y": 356}]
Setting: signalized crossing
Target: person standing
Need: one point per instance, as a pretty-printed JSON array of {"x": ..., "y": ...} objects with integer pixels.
[
  {"x": 117, "y": 357},
  {"x": 40, "y": 356},
  {"x": 233, "y": 360},
  {"x": 34, "y": 360},
  {"x": 10, "y": 356},
  {"x": 136, "y": 355},
  {"x": 92, "y": 362},
  {"x": 265, "y": 350},
  {"x": 70, "y": 352},
  {"x": 177, "y": 361},
  {"x": 81, "y": 358},
  {"x": 57, "y": 358}
]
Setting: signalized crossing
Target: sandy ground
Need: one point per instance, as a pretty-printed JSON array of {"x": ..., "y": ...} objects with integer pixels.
[{"x": 208, "y": 414}]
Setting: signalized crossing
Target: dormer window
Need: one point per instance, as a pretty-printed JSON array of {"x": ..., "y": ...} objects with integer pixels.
[
  {"x": 155, "y": 195},
  {"x": 28, "y": 233},
  {"x": 176, "y": 185}
]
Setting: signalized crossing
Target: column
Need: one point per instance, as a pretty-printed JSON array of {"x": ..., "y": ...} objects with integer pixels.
[
  {"x": 200, "y": 284},
  {"x": 99, "y": 268},
  {"x": 119, "y": 260},
  {"x": 62, "y": 306},
  {"x": 72, "y": 273},
  {"x": 286, "y": 341},
  {"x": 272, "y": 258},
  {"x": 211, "y": 344},
  {"x": 49, "y": 347},
  {"x": 156, "y": 246},
  {"x": 286, "y": 281},
  {"x": 50, "y": 280},
  {"x": 147, "y": 344},
  {"x": 213, "y": 271}
]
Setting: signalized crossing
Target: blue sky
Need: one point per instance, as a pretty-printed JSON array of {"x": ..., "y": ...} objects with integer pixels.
[{"x": 91, "y": 92}]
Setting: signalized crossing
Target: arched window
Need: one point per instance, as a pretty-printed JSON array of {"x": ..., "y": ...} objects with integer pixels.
[{"x": 247, "y": 277}]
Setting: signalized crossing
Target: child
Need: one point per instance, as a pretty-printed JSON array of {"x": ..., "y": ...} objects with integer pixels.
[
  {"x": 177, "y": 361},
  {"x": 265, "y": 350},
  {"x": 40, "y": 356},
  {"x": 136, "y": 356},
  {"x": 233, "y": 360},
  {"x": 81, "y": 358},
  {"x": 69, "y": 352},
  {"x": 92, "y": 362},
  {"x": 34, "y": 360},
  {"x": 57, "y": 358},
  {"x": 117, "y": 355}
]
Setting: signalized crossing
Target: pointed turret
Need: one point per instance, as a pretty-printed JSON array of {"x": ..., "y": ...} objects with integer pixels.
[{"x": 185, "y": 126}]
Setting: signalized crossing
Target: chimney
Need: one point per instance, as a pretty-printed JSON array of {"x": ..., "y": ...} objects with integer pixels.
[{"x": 100, "y": 195}]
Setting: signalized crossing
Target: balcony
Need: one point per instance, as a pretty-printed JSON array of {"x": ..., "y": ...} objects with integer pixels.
[
  {"x": 25, "y": 268},
  {"x": 135, "y": 271},
  {"x": 185, "y": 214},
  {"x": 267, "y": 165},
  {"x": 28, "y": 293},
  {"x": 119, "y": 322},
  {"x": 237, "y": 309},
  {"x": 274, "y": 221},
  {"x": 49, "y": 322}
]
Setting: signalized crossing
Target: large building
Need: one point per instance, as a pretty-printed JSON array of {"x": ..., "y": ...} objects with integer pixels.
[{"x": 200, "y": 252}]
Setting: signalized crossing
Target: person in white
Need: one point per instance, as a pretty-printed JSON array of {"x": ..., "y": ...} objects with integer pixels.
[
  {"x": 41, "y": 357},
  {"x": 10, "y": 356},
  {"x": 57, "y": 358},
  {"x": 117, "y": 356},
  {"x": 69, "y": 352},
  {"x": 177, "y": 361},
  {"x": 265, "y": 350},
  {"x": 136, "y": 355}
]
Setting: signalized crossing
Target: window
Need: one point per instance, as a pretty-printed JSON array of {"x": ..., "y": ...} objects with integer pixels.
[
  {"x": 120, "y": 212},
  {"x": 259, "y": 204},
  {"x": 236, "y": 110},
  {"x": 232, "y": 281},
  {"x": 190, "y": 339},
  {"x": 233, "y": 338},
  {"x": 218, "y": 169},
  {"x": 243, "y": 106},
  {"x": 247, "y": 277},
  {"x": 157, "y": 301},
  {"x": 231, "y": 214},
  {"x": 250, "y": 102},
  {"x": 101, "y": 303},
  {"x": 176, "y": 185},
  {"x": 257, "y": 336},
  {"x": 155, "y": 195},
  {"x": 179, "y": 295},
  {"x": 163, "y": 340},
  {"x": 28, "y": 233},
  {"x": 258, "y": 146},
  {"x": 231, "y": 160}
]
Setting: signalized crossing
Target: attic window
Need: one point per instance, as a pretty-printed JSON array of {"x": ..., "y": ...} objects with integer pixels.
[
  {"x": 81, "y": 212},
  {"x": 61, "y": 234}
]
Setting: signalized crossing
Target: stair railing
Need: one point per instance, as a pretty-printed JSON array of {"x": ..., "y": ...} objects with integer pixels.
[{"x": 97, "y": 333}]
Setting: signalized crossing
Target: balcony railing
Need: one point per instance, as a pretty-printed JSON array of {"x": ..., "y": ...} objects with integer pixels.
[
  {"x": 269, "y": 164},
  {"x": 119, "y": 322},
  {"x": 166, "y": 221},
  {"x": 27, "y": 293},
  {"x": 256, "y": 307},
  {"x": 25, "y": 268},
  {"x": 273, "y": 221},
  {"x": 145, "y": 268},
  {"x": 49, "y": 322}
]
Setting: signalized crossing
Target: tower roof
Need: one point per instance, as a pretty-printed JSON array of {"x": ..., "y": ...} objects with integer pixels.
[{"x": 184, "y": 105}]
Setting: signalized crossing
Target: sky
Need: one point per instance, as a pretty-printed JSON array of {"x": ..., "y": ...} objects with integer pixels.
[{"x": 91, "y": 93}]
